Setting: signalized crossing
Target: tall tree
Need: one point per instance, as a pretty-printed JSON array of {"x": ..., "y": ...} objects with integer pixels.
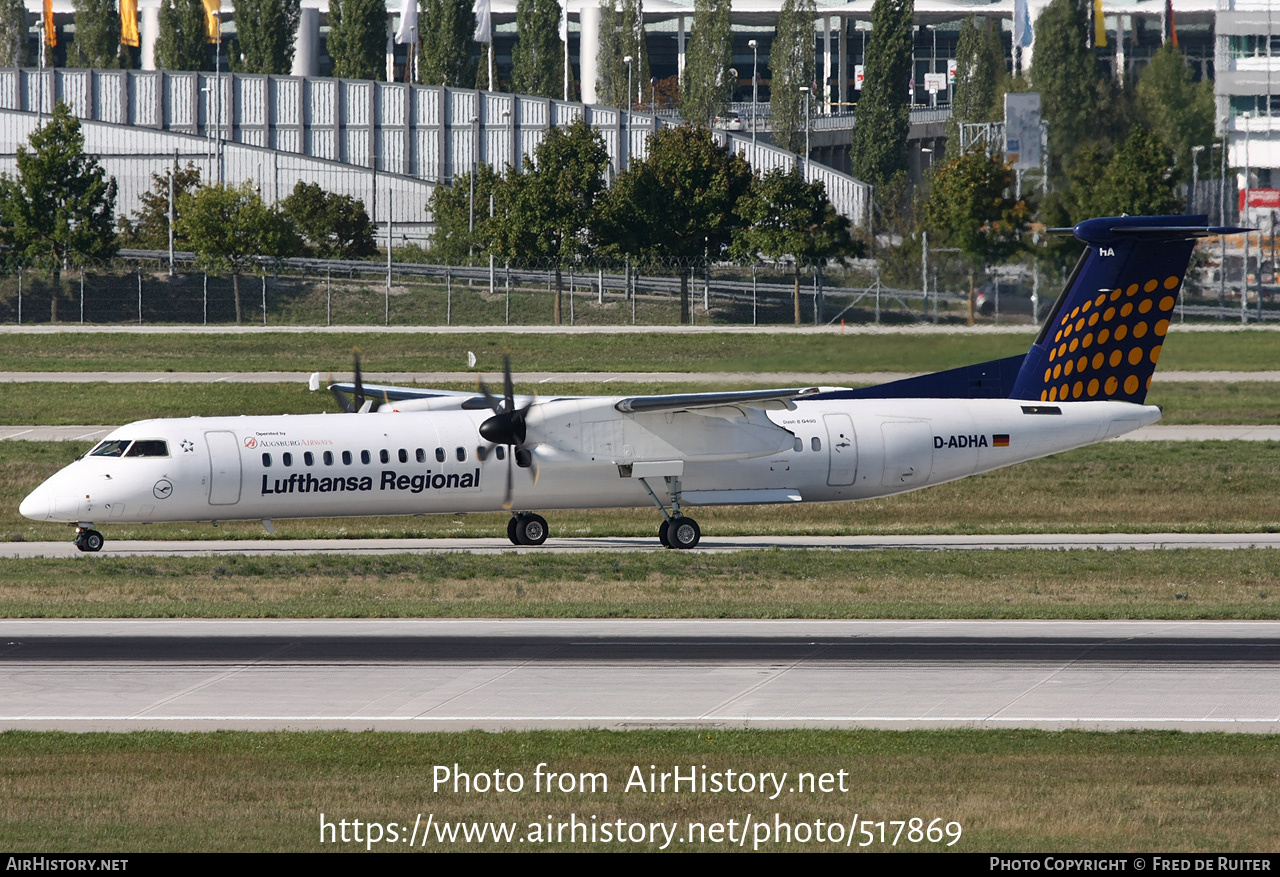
[
  {"x": 707, "y": 85},
  {"x": 183, "y": 43},
  {"x": 59, "y": 208},
  {"x": 358, "y": 38},
  {"x": 334, "y": 226},
  {"x": 981, "y": 77},
  {"x": 1175, "y": 108},
  {"x": 265, "y": 31},
  {"x": 537, "y": 59},
  {"x": 1063, "y": 70},
  {"x": 447, "y": 28},
  {"x": 791, "y": 64},
  {"x": 97, "y": 42},
  {"x": 622, "y": 36},
  {"x": 149, "y": 229},
  {"x": 228, "y": 227},
  {"x": 676, "y": 206},
  {"x": 783, "y": 215},
  {"x": 544, "y": 214},
  {"x": 13, "y": 33},
  {"x": 879, "y": 149},
  {"x": 971, "y": 207}
]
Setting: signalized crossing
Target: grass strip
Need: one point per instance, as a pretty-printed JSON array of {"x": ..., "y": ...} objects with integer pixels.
[
  {"x": 1011, "y": 791},
  {"x": 1184, "y": 584},
  {"x": 1117, "y": 487}
]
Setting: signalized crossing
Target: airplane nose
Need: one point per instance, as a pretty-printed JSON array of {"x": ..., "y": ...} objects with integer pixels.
[{"x": 36, "y": 506}]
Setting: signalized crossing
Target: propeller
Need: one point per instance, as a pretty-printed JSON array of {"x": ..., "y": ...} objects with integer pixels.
[
  {"x": 357, "y": 403},
  {"x": 508, "y": 426}
]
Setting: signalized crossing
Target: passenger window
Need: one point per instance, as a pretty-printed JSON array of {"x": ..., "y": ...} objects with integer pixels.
[
  {"x": 462, "y": 455},
  {"x": 480, "y": 453},
  {"x": 421, "y": 455},
  {"x": 500, "y": 452},
  {"x": 346, "y": 458},
  {"x": 439, "y": 455},
  {"x": 815, "y": 443},
  {"x": 365, "y": 458},
  {"x": 328, "y": 458},
  {"x": 148, "y": 448},
  {"x": 799, "y": 444},
  {"x": 266, "y": 460},
  {"x": 113, "y": 448},
  {"x": 384, "y": 456},
  {"x": 287, "y": 458},
  {"x": 308, "y": 459},
  {"x": 404, "y": 456}
]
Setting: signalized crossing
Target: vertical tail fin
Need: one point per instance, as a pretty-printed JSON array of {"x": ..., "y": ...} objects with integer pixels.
[{"x": 1104, "y": 335}]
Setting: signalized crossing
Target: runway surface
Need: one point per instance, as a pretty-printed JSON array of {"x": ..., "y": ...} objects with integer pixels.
[
  {"x": 614, "y": 544},
  {"x": 515, "y": 674},
  {"x": 1190, "y": 433}
]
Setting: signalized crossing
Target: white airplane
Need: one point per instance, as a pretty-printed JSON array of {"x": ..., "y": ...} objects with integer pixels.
[{"x": 417, "y": 452}]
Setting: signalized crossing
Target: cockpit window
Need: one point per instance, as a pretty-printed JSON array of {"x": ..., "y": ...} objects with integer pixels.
[
  {"x": 110, "y": 448},
  {"x": 148, "y": 448}
]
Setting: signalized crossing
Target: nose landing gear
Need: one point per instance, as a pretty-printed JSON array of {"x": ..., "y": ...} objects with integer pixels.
[{"x": 88, "y": 540}]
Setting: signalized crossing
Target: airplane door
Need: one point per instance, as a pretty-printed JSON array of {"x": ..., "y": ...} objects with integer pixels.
[
  {"x": 842, "y": 446},
  {"x": 224, "y": 468},
  {"x": 908, "y": 453}
]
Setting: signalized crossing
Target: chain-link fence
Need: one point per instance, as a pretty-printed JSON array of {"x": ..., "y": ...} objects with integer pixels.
[{"x": 140, "y": 288}]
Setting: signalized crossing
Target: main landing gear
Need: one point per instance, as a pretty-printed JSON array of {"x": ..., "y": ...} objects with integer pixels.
[
  {"x": 88, "y": 540},
  {"x": 527, "y": 528},
  {"x": 677, "y": 529}
]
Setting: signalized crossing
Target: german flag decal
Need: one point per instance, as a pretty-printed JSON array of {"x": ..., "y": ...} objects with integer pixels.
[{"x": 1000, "y": 441}]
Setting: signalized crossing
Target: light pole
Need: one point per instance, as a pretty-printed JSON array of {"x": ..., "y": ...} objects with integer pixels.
[
  {"x": 806, "y": 90},
  {"x": 755, "y": 92},
  {"x": 628, "y": 61},
  {"x": 1191, "y": 197},
  {"x": 217, "y": 76},
  {"x": 471, "y": 201}
]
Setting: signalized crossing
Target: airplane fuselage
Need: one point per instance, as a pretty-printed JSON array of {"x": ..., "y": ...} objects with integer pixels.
[{"x": 434, "y": 462}]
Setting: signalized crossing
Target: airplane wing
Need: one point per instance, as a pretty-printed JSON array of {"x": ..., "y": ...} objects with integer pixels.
[{"x": 765, "y": 400}]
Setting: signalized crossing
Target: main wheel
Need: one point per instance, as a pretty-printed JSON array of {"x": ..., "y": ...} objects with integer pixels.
[
  {"x": 531, "y": 529},
  {"x": 683, "y": 533},
  {"x": 89, "y": 540},
  {"x": 511, "y": 531},
  {"x": 663, "y": 530}
]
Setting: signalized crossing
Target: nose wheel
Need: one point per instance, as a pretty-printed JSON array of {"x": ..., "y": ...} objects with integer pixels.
[
  {"x": 89, "y": 540},
  {"x": 527, "y": 528}
]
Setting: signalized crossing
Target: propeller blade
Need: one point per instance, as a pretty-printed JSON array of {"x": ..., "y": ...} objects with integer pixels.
[
  {"x": 359, "y": 382},
  {"x": 508, "y": 388},
  {"x": 509, "y": 494}
]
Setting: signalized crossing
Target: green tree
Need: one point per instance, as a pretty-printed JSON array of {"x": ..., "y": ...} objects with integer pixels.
[
  {"x": 791, "y": 63},
  {"x": 182, "y": 43},
  {"x": 97, "y": 41},
  {"x": 677, "y": 205},
  {"x": 707, "y": 85},
  {"x": 545, "y": 213},
  {"x": 981, "y": 77},
  {"x": 13, "y": 33},
  {"x": 59, "y": 208},
  {"x": 537, "y": 60},
  {"x": 447, "y": 27},
  {"x": 971, "y": 207},
  {"x": 1063, "y": 70},
  {"x": 229, "y": 227},
  {"x": 149, "y": 229},
  {"x": 265, "y": 30},
  {"x": 622, "y": 36},
  {"x": 334, "y": 226},
  {"x": 463, "y": 229},
  {"x": 783, "y": 215},
  {"x": 879, "y": 149},
  {"x": 358, "y": 38},
  {"x": 1175, "y": 108}
]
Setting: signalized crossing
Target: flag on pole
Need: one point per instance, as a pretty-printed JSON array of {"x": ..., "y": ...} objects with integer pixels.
[
  {"x": 408, "y": 32},
  {"x": 1022, "y": 32},
  {"x": 213, "y": 20},
  {"x": 564, "y": 21},
  {"x": 484, "y": 22},
  {"x": 1099, "y": 24},
  {"x": 1173, "y": 28},
  {"x": 50, "y": 29},
  {"x": 129, "y": 23}
]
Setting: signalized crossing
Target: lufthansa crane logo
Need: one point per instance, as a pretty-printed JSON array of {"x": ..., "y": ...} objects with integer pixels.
[{"x": 163, "y": 489}]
